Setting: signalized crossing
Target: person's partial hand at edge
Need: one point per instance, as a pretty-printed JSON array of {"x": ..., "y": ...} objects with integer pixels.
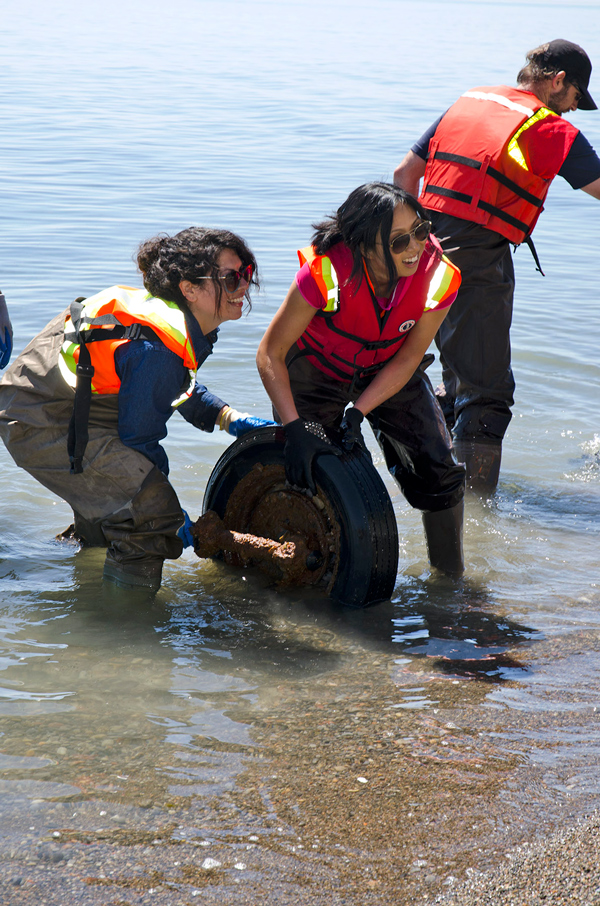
[
  {"x": 185, "y": 532},
  {"x": 6, "y": 333},
  {"x": 239, "y": 423},
  {"x": 351, "y": 430}
]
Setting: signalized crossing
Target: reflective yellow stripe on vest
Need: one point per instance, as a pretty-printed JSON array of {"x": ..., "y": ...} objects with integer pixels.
[
  {"x": 324, "y": 275},
  {"x": 513, "y": 147},
  {"x": 444, "y": 282},
  {"x": 185, "y": 395},
  {"x": 139, "y": 302},
  {"x": 330, "y": 279}
]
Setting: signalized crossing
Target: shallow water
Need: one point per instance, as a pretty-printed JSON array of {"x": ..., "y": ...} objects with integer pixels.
[{"x": 316, "y": 755}]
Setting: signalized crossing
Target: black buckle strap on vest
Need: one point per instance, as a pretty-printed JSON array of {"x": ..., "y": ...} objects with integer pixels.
[
  {"x": 502, "y": 215},
  {"x": 450, "y": 193},
  {"x": 515, "y": 188},
  {"x": 529, "y": 242},
  {"x": 345, "y": 376},
  {"x": 320, "y": 357},
  {"x": 497, "y": 212},
  {"x": 508, "y": 183},
  {"x": 455, "y": 159},
  {"x": 369, "y": 346}
]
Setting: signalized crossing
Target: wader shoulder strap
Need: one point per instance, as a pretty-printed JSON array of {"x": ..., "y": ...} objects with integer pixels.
[
  {"x": 78, "y": 426},
  {"x": 78, "y": 435}
]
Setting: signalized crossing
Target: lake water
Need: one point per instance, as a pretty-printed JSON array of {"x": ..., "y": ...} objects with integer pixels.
[{"x": 225, "y": 742}]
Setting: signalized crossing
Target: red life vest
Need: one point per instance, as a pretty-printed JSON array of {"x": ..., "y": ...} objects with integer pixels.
[
  {"x": 353, "y": 334},
  {"x": 476, "y": 169}
]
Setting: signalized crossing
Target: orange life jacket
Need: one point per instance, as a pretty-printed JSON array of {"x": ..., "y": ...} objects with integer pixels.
[
  {"x": 100, "y": 319},
  {"x": 352, "y": 335},
  {"x": 476, "y": 169},
  {"x": 94, "y": 329}
]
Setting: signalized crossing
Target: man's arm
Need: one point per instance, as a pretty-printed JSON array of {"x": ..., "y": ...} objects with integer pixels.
[
  {"x": 593, "y": 189},
  {"x": 409, "y": 173}
]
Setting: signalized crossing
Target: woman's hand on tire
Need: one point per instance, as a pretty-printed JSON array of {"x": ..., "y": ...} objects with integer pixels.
[
  {"x": 351, "y": 432},
  {"x": 303, "y": 442}
]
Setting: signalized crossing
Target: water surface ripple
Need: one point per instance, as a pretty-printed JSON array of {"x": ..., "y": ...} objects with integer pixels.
[{"x": 226, "y": 742}]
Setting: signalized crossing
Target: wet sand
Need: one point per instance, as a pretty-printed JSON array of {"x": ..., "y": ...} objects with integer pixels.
[
  {"x": 563, "y": 870},
  {"x": 359, "y": 790}
]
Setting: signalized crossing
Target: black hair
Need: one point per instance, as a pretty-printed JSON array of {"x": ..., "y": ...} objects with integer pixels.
[
  {"x": 365, "y": 217},
  {"x": 192, "y": 253}
]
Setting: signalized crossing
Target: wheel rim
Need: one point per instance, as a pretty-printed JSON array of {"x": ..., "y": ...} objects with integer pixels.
[{"x": 261, "y": 504}]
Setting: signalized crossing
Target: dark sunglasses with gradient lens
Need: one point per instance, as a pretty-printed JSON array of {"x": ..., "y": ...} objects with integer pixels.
[
  {"x": 402, "y": 242},
  {"x": 232, "y": 279}
]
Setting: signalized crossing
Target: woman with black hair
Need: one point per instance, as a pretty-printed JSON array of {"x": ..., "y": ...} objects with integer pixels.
[
  {"x": 353, "y": 330},
  {"x": 84, "y": 407}
]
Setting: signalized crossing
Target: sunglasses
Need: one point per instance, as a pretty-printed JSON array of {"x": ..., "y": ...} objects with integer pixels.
[
  {"x": 232, "y": 279},
  {"x": 402, "y": 242}
]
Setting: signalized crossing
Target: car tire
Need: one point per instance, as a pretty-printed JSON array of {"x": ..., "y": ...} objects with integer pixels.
[{"x": 351, "y": 521}]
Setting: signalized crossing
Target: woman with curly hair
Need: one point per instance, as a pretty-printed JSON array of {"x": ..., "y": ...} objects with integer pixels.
[{"x": 84, "y": 407}]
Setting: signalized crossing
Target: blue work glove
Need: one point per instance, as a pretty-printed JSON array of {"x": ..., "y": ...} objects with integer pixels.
[
  {"x": 239, "y": 423},
  {"x": 350, "y": 428},
  {"x": 304, "y": 441},
  {"x": 185, "y": 531},
  {"x": 6, "y": 334}
]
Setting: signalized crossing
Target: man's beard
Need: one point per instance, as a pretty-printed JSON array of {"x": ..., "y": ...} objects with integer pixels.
[{"x": 557, "y": 99}]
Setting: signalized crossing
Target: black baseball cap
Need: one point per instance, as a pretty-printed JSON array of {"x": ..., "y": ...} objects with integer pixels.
[{"x": 575, "y": 62}]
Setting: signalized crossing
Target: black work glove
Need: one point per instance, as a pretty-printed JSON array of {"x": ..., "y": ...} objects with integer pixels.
[
  {"x": 350, "y": 428},
  {"x": 304, "y": 441}
]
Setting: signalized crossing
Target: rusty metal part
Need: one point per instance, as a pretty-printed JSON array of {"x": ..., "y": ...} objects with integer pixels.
[
  {"x": 262, "y": 506},
  {"x": 211, "y": 537}
]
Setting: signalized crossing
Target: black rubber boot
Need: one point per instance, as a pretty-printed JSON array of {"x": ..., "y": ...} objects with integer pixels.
[
  {"x": 444, "y": 536},
  {"x": 482, "y": 461}
]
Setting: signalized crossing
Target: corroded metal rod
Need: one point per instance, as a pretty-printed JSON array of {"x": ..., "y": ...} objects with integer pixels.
[{"x": 211, "y": 537}]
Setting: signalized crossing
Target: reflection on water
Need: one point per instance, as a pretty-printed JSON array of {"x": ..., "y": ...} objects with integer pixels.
[{"x": 461, "y": 633}]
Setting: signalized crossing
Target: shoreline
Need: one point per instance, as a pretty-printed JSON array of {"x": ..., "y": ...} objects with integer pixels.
[{"x": 560, "y": 870}]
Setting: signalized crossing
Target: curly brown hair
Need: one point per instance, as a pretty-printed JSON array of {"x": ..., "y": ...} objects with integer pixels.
[{"x": 164, "y": 261}]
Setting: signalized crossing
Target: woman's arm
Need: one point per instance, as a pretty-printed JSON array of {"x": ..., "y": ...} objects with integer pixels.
[
  {"x": 151, "y": 378},
  {"x": 394, "y": 375},
  {"x": 287, "y": 326}
]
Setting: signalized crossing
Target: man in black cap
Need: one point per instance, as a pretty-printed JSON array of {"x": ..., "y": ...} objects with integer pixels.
[{"x": 487, "y": 165}]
